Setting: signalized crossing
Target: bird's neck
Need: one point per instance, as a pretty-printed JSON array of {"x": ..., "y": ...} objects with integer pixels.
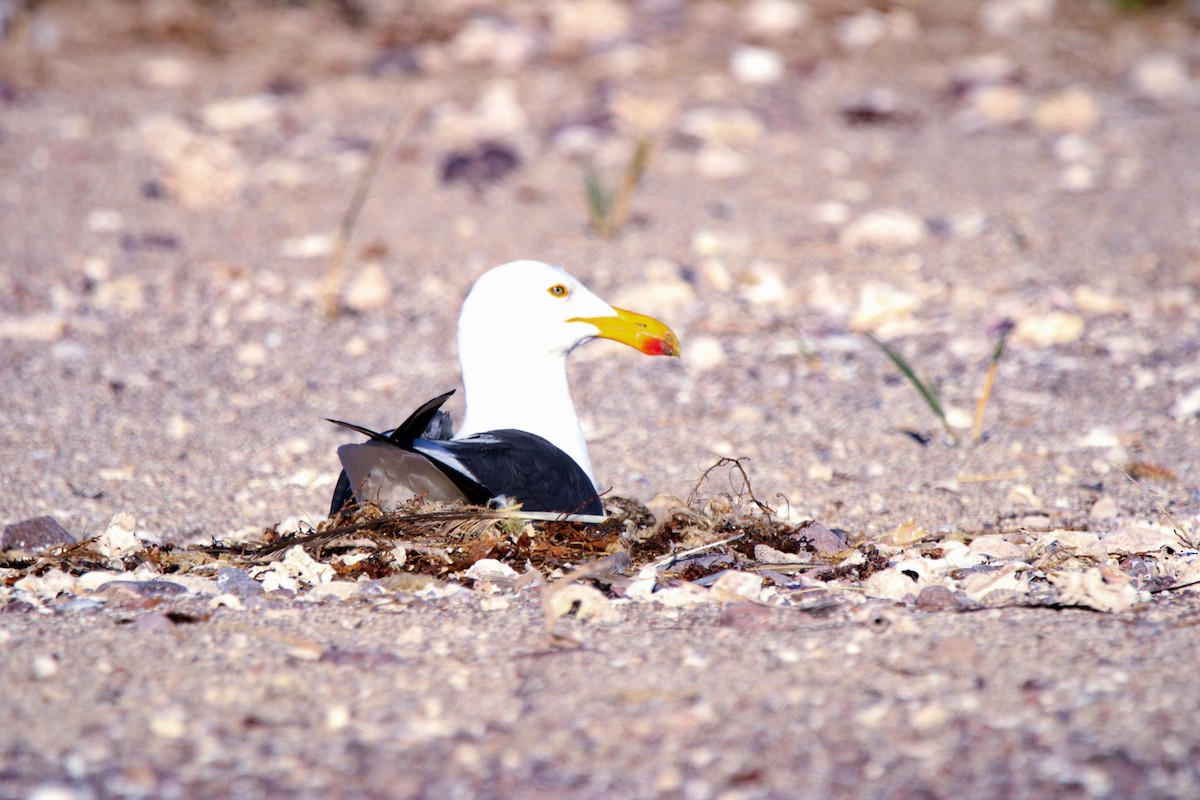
[{"x": 528, "y": 397}]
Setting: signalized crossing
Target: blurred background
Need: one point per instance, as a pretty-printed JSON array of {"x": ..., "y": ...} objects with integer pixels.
[{"x": 221, "y": 222}]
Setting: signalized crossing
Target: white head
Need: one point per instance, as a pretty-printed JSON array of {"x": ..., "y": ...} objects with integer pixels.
[
  {"x": 530, "y": 309},
  {"x": 516, "y": 328}
]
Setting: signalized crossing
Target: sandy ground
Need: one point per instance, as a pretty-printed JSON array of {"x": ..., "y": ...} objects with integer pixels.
[{"x": 171, "y": 180}]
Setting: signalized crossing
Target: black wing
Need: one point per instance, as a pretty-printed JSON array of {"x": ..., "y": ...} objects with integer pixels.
[
  {"x": 428, "y": 422},
  {"x": 521, "y": 467}
]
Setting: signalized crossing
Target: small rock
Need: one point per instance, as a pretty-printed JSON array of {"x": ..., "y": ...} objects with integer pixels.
[
  {"x": 586, "y": 602},
  {"x": 104, "y": 220},
  {"x": 165, "y": 72},
  {"x": 999, "y": 105},
  {"x": 832, "y": 212},
  {"x": 252, "y": 354},
  {"x": 370, "y": 290},
  {"x": 588, "y": 22},
  {"x": 938, "y": 598},
  {"x": 40, "y": 327},
  {"x": 774, "y": 18},
  {"x": 1005, "y": 17},
  {"x": 240, "y": 113},
  {"x": 315, "y": 245},
  {"x": 153, "y": 589},
  {"x": 888, "y": 229},
  {"x": 44, "y": 667},
  {"x": 1104, "y": 508},
  {"x": 55, "y": 791},
  {"x": 734, "y": 127},
  {"x": 202, "y": 171},
  {"x": 1161, "y": 77},
  {"x": 1096, "y": 302},
  {"x": 903, "y": 535},
  {"x": 734, "y": 585},
  {"x": 1070, "y": 111},
  {"x": 756, "y": 66},
  {"x": 1188, "y": 405},
  {"x": 863, "y": 30},
  {"x": 237, "y": 582},
  {"x": 761, "y": 284},
  {"x": 169, "y": 724},
  {"x": 118, "y": 538},
  {"x": 1049, "y": 329},
  {"x": 1137, "y": 540},
  {"x": 986, "y": 70},
  {"x": 126, "y": 294},
  {"x": 719, "y": 162},
  {"x": 1077, "y": 178},
  {"x": 491, "y": 570},
  {"x": 816, "y": 536},
  {"x": 764, "y": 554},
  {"x": 705, "y": 353},
  {"x": 881, "y": 304},
  {"x": 488, "y": 41},
  {"x": 35, "y": 534}
]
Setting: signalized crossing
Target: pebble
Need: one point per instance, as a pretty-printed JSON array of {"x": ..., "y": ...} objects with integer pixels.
[
  {"x": 39, "y": 327},
  {"x": 1161, "y": 77},
  {"x": 1078, "y": 178},
  {"x": 756, "y": 66},
  {"x": 370, "y": 290},
  {"x": 118, "y": 538},
  {"x": 887, "y": 229},
  {"x": 125, "y": 294},
  {"x": 774, "y": 18},
  {"x": 1188, "y": 405},
  {"x": 165, "y": 72},
  {"x": 43, "y": 667},
  {"x": 314, "y": 245},
  {"x": 1104, "y": 508},
  {"x": 202, "y": 171},
  {"x": 832, "y": 212},
  {"x": 734, "y": 127},
  {"x": 168, "y": 724},
  {"x": 880, "y": 304},
  {"x": 587, "y": 603},
  {"x": 240, "y": 113},
  {"x": 719, "y": 162},
  {"x": 237, "y": 582},
  {"x": 705, "y": 353},
  {"x": 252, "y": 354},
  {"x": 56, "y": 791},
  {"x": 998, "y": 105},
  {"x": 589, "y": 22},
  {"x": 734, "y": 585},
  {"x": 1071, "y": 111},
  {"x": 1005, "y": 17},
  {"x": 104, "y": 220},
  {"x": 491, "y": 42},
  {"x": 937, "y": 598},
  {"x": 863, "y": 30},
  {"x": 761, "y": 284},
  {"x": 1049, "y": 329},
  {"x": 35, "y": 534}
]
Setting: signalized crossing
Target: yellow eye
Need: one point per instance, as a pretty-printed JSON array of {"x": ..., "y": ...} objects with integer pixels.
[{"x": 559, "y": 290}]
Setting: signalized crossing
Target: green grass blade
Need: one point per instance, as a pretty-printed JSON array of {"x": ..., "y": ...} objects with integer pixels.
[{"x": 926, "y": 390}]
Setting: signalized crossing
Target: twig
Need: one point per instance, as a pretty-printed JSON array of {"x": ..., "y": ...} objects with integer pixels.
[
  {"x": 1006, "y": 328},
  {"x": 673, "y": 558},
  {"x": 1186, "y": 541},
  {"x": 380, "y": 527},
  {"x": 694, "y": 497},
  {"x": 331, "y": 286}
]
